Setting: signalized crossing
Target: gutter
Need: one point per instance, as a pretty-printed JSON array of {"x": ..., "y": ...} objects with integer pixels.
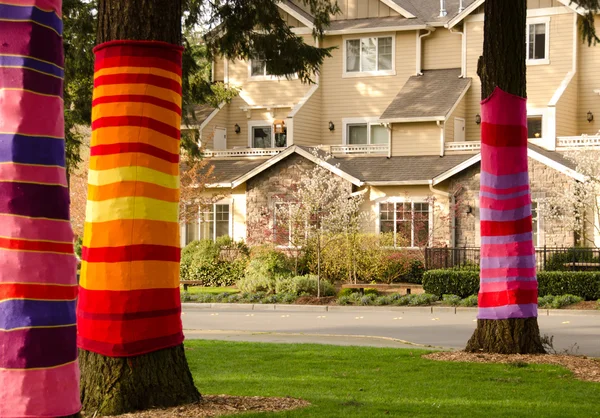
[
  {"x": 463, "y": 58},
  {"x": 442, "y": 126}
]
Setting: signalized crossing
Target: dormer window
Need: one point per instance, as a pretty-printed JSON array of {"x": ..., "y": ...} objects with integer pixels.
[{"x": 369, "y": 56}]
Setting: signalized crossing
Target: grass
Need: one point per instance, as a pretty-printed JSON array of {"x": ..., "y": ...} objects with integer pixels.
[
  {"x": 196, "y": 290},
  {"x": 374, "y": 382}
]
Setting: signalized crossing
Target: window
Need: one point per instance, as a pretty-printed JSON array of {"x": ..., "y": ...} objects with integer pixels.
[
  {"x": 534, "y": 127},
  {"x": 370, "y": 55},
  {"x": 258, "y": 67},
  {"x": 213, "y": 222},
  {"x": 537, "y": 41},
  {"x": 407, "y": 222},
  {"x": 363, "y": 132},
  {"x": 261, "y": 137}
]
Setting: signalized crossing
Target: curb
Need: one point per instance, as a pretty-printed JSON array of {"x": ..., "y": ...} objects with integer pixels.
[{"x": 334, "y": 308}]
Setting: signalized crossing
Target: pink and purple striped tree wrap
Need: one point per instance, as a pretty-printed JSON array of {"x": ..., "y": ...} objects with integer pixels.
[
  {"x": 508, "y": 286},
  {"x": 39, "y": 374}
]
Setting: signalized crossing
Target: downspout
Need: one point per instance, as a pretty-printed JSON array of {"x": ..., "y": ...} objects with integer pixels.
[
  {"x": 463, "y": 58},
  {"x": 443, "y": 12},
  {"x": 420, "y": 49},
  {"x": 452, "y": 200},
  {"x": 442, "y": 126}
]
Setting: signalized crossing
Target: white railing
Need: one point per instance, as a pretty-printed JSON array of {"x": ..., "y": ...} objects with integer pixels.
[
  {"x": 359, "y": 149},
  {"x": 243, "y": 152},
  {"x": 463, "y": 146},
  {"x": 578, "y": 141}
]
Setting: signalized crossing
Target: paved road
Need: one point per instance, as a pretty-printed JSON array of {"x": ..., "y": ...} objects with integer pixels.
[{"x": 381, "y": 328}]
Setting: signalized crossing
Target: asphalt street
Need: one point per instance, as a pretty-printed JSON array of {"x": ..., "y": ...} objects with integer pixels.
[{"x": 380, "y": 327}]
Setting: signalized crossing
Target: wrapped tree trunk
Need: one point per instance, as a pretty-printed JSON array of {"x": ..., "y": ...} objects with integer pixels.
[
  {"x": 129, "y": 311},
  {"x": 507, "y": 319},
  {"x": 39, "y": 374}
]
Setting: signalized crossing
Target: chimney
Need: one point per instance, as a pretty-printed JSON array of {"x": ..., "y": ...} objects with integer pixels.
[
  {"x": 461, "y": 7},
  {"x": 443, "y": 11}
]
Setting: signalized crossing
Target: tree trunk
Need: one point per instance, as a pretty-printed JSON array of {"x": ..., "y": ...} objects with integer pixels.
[
  {"x": 503, "y": 65},
  {"x": 116, "y": 385}
]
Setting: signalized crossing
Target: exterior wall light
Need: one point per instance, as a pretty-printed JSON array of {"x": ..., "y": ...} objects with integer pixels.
[
  {"x": 478, "y": 119},
  {"x": 331, "y": 126},
  {"x": 237, "y": 128},
  {"x": 590, "y": 116}
]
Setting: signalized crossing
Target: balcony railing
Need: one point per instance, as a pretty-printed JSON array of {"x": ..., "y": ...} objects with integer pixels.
[
  {"x": 463, "y": 146},
  {"x": 359, "y": 149},
  {"x": 578, "y": 141},
  {"x": 243, "y": 152}
]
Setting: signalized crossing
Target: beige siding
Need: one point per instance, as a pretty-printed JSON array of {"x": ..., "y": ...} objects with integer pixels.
[
  {"x": 237, "y": 199},
  {"x": 472, "y": 99},
  {"x": 459, "y": 112},
  {"x": 219, "y": 120},
  {"x": 539, "y": 4},
  {"x": 589, "y": 80},
  {"x": 442, "y": 49},
  {"x": 307, "y": 122},
  {"x": 291, "y": 20},
  {"x": 219, "y": 69},
  {"x": 365, "y": 96},
  {"x": 544, "y": 80},
  {"x": 566, "y": 111},
  {"x": 359, "y": 9},
  {"x": 416, "y": 139}
]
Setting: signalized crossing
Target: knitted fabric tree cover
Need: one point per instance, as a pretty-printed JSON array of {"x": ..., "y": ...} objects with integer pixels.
[
  {"x": 508, "y": 286},
  {"x": 39, "y": 374},
  {"x": 129, "y": 297}
]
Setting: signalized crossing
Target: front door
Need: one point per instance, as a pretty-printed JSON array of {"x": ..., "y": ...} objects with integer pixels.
[
  {"x": 459, "y": 130},
  {"x": 220, "y": 140}
]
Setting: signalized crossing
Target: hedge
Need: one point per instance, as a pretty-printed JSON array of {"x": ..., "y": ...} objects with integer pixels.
[{"x": 465, "y": 283}]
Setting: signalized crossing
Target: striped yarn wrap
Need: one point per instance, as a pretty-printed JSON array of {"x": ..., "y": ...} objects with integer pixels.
[
  {"x": 129, "y": 290},
  {"x": 508, "y": 287},
  {"x": 39, "y": 374}
]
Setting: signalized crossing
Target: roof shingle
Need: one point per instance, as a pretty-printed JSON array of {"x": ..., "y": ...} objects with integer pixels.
[{"x": 431, "y": 95}]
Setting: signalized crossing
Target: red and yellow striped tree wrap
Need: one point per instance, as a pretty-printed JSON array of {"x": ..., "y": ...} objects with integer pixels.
[{"x": 129, "y": 297}]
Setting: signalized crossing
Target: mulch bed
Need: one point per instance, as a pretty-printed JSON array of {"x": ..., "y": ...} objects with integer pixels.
[
  {"x": 584, "y": 368},
  {"x": 217, "y": 405}
]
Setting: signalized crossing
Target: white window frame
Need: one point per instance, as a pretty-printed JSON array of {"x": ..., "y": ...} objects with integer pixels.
[
  {"x": 361, "y": 121},
  {"x": 214, "y": 221},
  {"x": 537, "y": 21},
  {"x": 412, "y": 201},
  {"x": 347, "y": 74},
  {"x": 258, "y": 124},
  {"x": 537, "y": 113},
  {"x": 266, "y": 76}
]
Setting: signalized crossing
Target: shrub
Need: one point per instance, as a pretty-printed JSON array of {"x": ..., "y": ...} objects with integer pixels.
[
  {"x": 235, "y": 298},
  {"x": 402, "y": 266},
  {"x": 560, "y": 261},
  {"x": 285, "y": 285},
  {"x": 186, "y": 297},
  {"x": 403, "y": 300},
  {"x": 469, "y": 301},
  {"x": 579, "y": 283},
  {"x": 355, "y": 298},
  {"x": 452, "y": 300},
  {"x": 346, "y": 292},
  {"x": 344, "y": 300},
  {"x": 287, "y": 297},
  {"x": 308, "y": 284},
  {"x": 545, "y": 301},
  {"x": 205, "y": 298},
  {"x": 371, "y": 291},
  {"x": 270, "y": 299},
  {"x": 77, "y": 246},
  {"x": 265, "y": 268},
  {"x": 253, "y": 283},
  {"x": 367, "y": 300},
  {"x": 200, "y": 262},
  {"x": 462, "y": 283},
  {"x": 421, "y": 300},
  {"x": 383, "y": 300}
]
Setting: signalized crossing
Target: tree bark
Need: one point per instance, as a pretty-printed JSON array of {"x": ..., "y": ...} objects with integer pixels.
[
  {"x": 111, "y": 386},
  {"x": 503, "y": 65}
]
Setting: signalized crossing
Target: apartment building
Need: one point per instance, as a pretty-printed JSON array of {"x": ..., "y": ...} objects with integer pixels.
[{"x": 398, "y": 107}]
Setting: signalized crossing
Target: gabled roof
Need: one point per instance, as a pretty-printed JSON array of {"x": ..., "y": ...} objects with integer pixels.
[
  {"x": 225, "y": 172},
  {"x": 374, "y": 24},
  {"x": 429, "y": 10},
  {"x": 430, "y": 97},
  {"x": 297, "y": 12}
]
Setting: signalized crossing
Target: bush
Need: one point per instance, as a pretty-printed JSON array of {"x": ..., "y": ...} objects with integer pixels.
[
  {"x": 270, "y": 299},
  {"x": 371, "y": 291},
  {"x": 253, "y": 283},
  {"x": 287, "y": 297},
  {"x": 344, "y": 300},
  {"x": 346, "y": 292},
  {"x": 462, "y": 283},
  {"x": 452, "y": 300},
  {"x": 557, "y": 302},
  {"x": 579, "y": 283},
  {"x": 77, "y": 246},
  {"x": 285, "y": 285},
  {"x": 469, "y": 301},
  {"x": 559, "y": 261},
  {"x": 367, "y": 300},
  {"x": 402, "y": 266},
  {"x": 265, "y": 268},
  {"x": 308, "y": 284},
  {"x": 383, "y": 300},
  {"x": 422, "y": 300},
  {"x": 200, "y": 262}
]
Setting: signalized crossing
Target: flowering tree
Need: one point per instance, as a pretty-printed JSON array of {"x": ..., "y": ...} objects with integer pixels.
[
  {"x": 320, "y": 210},
  {"x": 578, "y": 206}
]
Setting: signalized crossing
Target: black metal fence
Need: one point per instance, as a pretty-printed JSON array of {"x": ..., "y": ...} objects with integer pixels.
[{"x": 547, "y": 258}]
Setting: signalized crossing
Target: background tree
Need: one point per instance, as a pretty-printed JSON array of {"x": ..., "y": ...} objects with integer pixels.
[
  {"x": 503, "y": 65},
  {"x": 578, "y": 206}
]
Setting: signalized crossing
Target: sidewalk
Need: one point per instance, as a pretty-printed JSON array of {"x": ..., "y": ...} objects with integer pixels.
[{"x": 334, "y": 308}]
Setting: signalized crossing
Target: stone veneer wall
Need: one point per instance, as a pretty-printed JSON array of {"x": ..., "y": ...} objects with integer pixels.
[
  {"x": 544, "y": 180},
  {"x": 275, "y": 184}
]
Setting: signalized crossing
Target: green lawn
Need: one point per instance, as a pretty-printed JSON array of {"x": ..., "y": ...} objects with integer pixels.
[
  {"x": 195, "y": 290},
  {"x": 375, "y": 382}
]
